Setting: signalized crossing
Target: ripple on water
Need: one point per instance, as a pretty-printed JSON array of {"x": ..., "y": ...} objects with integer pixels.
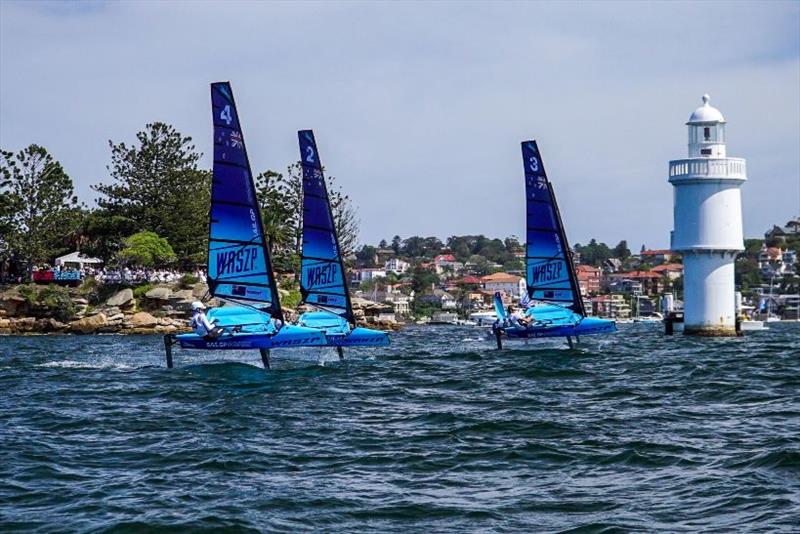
[{"x": 438, "y": 432}]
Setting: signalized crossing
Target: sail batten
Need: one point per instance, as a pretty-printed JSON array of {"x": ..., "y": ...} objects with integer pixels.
[
  {"x": 322, "y": 275},
  {"x": 239, "y": 263},
  {"x": 550, "y": 272}
]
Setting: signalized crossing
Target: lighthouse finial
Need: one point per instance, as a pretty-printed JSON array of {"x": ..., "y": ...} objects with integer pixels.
[{"x": 706, "y": 98}]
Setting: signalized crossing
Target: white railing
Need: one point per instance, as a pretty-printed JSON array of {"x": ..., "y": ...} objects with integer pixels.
[{"x": 708, "y": 168}]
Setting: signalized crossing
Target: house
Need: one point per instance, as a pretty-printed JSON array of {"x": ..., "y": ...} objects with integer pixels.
[
  {"x": 612, "y": 265},
  {"x": 635, "y": 282},
  {"x": 613, "y": 306},
  {"x": 447, "y": 262},
  {"x": 439, "y": 298},
  {"x": 775, "y": 263},
  {"x": 76, "y": 260},
  {"x": 791, "y": 228},
  {"x": 655, "y": 257},
  {"x": 509, "y": 284},
  {"x": 396, "y": 266},
  {"x": 399, "y": 301},
  {"x": 670, "y": 271},
  {"x": 366, "y": 275},
  {"x": 588, "y": 279}
]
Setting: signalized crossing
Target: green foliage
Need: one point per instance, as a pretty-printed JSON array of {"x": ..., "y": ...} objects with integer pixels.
[
  {"x": 103, "y": 233},
  {"x": 28, "y": 292},
  {"x": 146, "y": 249},
  {"x": 88, "y": 285},
  {"x": 595, "y": 253},
  {"x": 140, "y": 291},
  {"x": 621, "y": 251},
  {"x": 422, "y": 279},
  {"x": 57, "y": 301},
  {"x": 188, "y": 280},
  {"x": 281, "y": 200},
  {"x": 292, "y": 300},
  {"x": 39, "y": 212},
  {"x": 366, "y": 256},
  {"x": 157, "y": 184}
]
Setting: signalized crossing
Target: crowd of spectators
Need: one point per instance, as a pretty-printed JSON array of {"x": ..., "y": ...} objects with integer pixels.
[{"x": 114, "y": 276}]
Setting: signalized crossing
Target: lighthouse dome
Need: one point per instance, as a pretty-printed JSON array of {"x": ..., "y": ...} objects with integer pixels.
[{"x": 706, "y": 113}]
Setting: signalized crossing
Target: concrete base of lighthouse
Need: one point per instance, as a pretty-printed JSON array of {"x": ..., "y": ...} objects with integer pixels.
[{"x": 709, "y": 293}]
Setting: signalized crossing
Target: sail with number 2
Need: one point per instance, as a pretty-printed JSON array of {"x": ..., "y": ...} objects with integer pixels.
[{"x": 322, "y": 280}]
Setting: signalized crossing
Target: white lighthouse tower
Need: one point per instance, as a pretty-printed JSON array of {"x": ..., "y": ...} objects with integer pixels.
[{"x": 708, "y": 224}]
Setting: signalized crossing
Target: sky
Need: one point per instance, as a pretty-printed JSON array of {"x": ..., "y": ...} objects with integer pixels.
[{"x": 418, "y": 108}]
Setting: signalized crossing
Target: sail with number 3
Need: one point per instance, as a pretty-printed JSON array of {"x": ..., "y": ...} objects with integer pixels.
[
  {"x": 550, "y": 271},
  {"x": 239, "y": 264}
]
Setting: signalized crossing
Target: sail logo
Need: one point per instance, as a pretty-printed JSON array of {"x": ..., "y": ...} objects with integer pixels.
[
  {"x": 236, "y": 139},
  {"x": 236, "y": 261},
  {"x": 547, "y": 273},
  {"x": 321, "y": 276}
]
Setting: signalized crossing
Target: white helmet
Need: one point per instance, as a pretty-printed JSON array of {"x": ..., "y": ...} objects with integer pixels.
[{"x": 197, "y": 305}]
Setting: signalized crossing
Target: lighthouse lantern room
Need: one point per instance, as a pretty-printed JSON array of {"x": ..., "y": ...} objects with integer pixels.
[{"x": 708, "y": 223}]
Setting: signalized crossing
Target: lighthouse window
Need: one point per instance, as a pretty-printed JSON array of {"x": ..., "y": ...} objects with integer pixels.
[
  {"x": 705, "y": 151},
  {"x": 707, "y": 133}
]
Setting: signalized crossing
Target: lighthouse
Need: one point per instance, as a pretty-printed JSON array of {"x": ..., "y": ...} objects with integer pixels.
[{"x": 708, "y": 224}]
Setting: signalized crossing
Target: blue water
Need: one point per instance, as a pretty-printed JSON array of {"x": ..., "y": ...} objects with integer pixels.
[{"x": 438, "y": 432}]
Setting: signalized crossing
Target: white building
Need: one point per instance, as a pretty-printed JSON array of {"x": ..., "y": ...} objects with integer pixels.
[
  {"x": 507, "y": 283},
  {"x": 708, "y": 223},
  {"x": 396, "y": 266},
  {"x": 365, "y": 275}
]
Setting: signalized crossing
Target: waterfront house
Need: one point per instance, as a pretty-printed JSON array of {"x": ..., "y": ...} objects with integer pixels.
[
  {"x": 509, "y": 284},
  {"x": 655, "y": 257},
  {"x": 589, "y": 278},
  {"x": 366, "y": 275},
  {"x": 670, "y": 271}
]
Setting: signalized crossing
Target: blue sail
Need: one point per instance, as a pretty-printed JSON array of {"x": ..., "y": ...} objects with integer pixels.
[
  {"x": 239, "y": 264},
  {"x": 550, "y": 272},
  {"x": 322, "y": 274}
]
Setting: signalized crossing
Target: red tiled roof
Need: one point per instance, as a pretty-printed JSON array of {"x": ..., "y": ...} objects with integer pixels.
[
  {"x": 469, "y": 280},
  {"x": 500, "y": 277},
  {"x": 444, "y": 257}
]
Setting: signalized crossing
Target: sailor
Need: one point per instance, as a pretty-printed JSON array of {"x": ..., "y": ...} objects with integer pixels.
[
  {"x": 200, "y": 323},
  {"x": 517, "y": 318}
]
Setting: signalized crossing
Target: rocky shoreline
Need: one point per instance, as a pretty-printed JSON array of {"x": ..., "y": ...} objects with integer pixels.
[{"x": 164, "y": 309}]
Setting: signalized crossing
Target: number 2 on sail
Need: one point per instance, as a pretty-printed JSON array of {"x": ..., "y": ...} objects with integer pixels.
[{"x": 309, "y": 154}]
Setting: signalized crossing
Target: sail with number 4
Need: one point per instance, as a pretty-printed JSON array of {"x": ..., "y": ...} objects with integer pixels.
[
  {"x": 322, "y": 274},
  {"x": 550, "y": 272},
  {"x": 239, "y": 264}
]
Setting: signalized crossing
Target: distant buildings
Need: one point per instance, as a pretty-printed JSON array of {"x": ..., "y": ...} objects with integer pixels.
[
  {"x": 773, "y": 262},
  {"x": 396, "y": 266},
  {"x": 507, "y": 283}
]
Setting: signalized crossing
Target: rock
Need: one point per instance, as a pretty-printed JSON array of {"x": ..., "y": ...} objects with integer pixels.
[
  {"x": 14, "y": 304},
  {"x": 115, "y": 319},
  {"x": 159, "y": 293},
  {"x": 80, "y": 301},
  {"x": 5, "y": 323},
  {"x": 142, "y": 320},
  {"x": 183, "y": 294},
  {"x": 50, "y": 325},
  {"x": 24, "y": 324},
  {"x": 121, "y": 298},
  {"x": 87, "y": 325},
  {"x": 199, "y": 290}
]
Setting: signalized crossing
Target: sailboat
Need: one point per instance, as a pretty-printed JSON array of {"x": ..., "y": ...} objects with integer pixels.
[
  {"x": 323, "y": 280},
  {"x": 553, "y": 298},
  {"x": 239, "y": 263}
]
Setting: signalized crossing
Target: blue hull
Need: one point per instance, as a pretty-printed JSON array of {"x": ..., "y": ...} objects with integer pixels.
[
  {"x": 586, "y": 327},
  {"x": 288, "y": 336},
  {"x": 338, "y": 333}
]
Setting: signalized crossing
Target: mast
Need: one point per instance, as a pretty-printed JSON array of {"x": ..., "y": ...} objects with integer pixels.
[
  {"x": 323, "y": 280},
  {"x": 550, "y": 270},
  {"x": 239, "y": 261}
]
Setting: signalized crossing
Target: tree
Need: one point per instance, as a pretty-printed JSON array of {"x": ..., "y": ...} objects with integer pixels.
[
  {"x": 102, "y": 234},
  {"x": 396, "y": 244},
  {"x": 146, "y": 249},
  {"x": 40, "y": 211},
  {"x": 281, "y": 200},
  {"x": 383, "y": 244},
  {"x": 366, "y": 256},
  {"x": 157, "y": 184},
  {"x": 621, "y": 251}
]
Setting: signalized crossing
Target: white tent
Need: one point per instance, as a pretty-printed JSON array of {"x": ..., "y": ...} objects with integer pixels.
[{"x": 77, "y": 260}]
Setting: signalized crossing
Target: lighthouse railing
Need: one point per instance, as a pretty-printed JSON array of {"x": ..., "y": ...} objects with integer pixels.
[{"x": 708, "y": 168}]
